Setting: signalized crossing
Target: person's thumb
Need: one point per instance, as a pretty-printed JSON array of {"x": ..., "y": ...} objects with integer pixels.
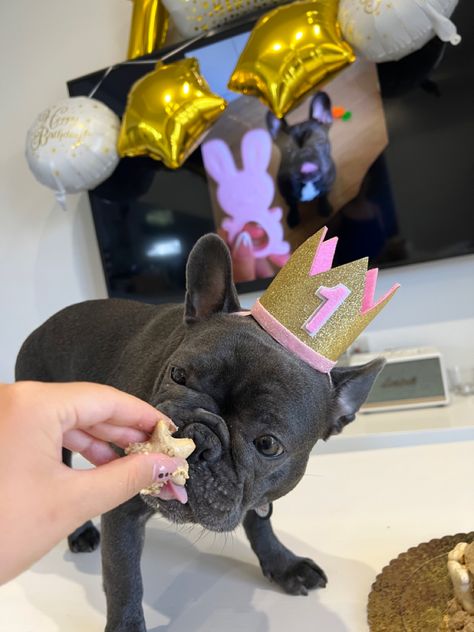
[{"x": 101, "y": 489}]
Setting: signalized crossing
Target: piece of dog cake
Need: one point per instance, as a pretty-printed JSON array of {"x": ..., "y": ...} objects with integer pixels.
[
  {"x": 460, "y": 610},
  {"x": 461, "y": 567},
  {"x": 163, "y": 442}
]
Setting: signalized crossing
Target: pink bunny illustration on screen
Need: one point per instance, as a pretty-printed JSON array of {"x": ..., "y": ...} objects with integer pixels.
[{"x": 245, "y": 194}]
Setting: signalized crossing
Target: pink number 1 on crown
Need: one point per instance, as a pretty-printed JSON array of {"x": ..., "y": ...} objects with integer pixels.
[{"x": 332, "y": 298}]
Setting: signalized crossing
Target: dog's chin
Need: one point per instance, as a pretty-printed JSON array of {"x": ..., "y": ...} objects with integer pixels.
[
  {"x": 178, "y": 513},
  {"x": 215, "y": 498}
]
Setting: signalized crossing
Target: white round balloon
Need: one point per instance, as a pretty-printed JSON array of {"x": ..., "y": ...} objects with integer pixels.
[
  {"x": 200, "y": 16},
  {"x": 71, "y": 146},
  {"x": 387, "y": 30}
]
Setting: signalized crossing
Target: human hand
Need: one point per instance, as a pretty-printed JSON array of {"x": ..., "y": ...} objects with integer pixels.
[
  {"x": 42, "y": 499},
  {"x": 243, "y": 258},
  {"x": 246, "y": 265}
]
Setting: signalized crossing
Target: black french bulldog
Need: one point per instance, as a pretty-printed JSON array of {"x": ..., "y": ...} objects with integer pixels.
[
  {"x": 254, "y": 410},
  {"x": 306, "y": 170}
]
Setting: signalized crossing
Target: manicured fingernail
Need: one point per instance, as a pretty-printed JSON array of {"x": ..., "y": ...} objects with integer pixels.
[
  {"x": 243, "y": 245},
  {"x": 165, "y": 467},
  {"x": 169, "y": 422},
  {"x": 171, "y": 425}
]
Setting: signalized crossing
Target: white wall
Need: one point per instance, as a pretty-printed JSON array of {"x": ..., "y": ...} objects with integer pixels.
[{"x": 49, "y": 258}]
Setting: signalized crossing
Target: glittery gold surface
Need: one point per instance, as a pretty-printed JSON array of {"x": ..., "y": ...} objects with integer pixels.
[
  {"x": 411, "y": 594},
  {"x": 167, "y": 112},
  {"x": 290, "y": 51},
  {"x": 291, "y": 299}
]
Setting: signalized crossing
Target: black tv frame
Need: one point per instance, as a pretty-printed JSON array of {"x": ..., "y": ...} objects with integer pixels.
[{"x": 137, "y": 68}]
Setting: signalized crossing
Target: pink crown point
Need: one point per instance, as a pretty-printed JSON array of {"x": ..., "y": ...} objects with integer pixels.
[
  {"x": 369, "y": 291},
  {"x": 324, "y": 255}
]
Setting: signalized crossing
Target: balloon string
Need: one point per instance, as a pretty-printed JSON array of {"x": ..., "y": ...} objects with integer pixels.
[
  {"x": 99, "y": 83},
  {"x": 132, "y": 62}
]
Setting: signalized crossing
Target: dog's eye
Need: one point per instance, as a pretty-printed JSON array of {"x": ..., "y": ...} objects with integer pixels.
[
  {"x": 268, "y": 445},
  {"x": 178, "y": 375}
]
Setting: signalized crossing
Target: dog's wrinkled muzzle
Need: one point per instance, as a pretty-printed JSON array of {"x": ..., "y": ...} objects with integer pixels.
[{"x": 210, "y": 434}]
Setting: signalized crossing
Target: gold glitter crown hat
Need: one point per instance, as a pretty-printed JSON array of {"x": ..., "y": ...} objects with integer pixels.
[{"x": 317, "y": 311}]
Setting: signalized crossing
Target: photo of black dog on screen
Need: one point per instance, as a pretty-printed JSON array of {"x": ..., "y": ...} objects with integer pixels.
[{"x": 307, "y": 171}]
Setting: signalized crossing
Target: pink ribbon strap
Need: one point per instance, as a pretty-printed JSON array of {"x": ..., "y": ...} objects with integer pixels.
[{"x": 288, "y": 340}]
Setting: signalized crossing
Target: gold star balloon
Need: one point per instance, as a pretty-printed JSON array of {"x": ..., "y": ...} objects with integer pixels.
[
  {"x": 291, "y": 50},
  {"x": 167, "y": 112}
]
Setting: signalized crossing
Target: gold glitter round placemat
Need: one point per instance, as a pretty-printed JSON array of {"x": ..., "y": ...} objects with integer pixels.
[{"x": 412, "y": 592}]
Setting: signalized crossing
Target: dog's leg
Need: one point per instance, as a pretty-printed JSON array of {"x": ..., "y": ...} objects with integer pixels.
[
  {"x": 296, "y": 575},
  {"x": 123, "y": 535},
  {"x": 324, "y": 207},
  {"x": 289, "y": 189},
  {"x": 293, "y": 217},
  {"x": 85, "y": 538}
]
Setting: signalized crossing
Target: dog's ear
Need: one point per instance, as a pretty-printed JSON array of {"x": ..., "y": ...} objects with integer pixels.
[
  {"x": 275, "y": 125},
  {"x": 320, "y": 109},
  {"x": 209, "y": 285},
  {"x": 351, "y": 386}
]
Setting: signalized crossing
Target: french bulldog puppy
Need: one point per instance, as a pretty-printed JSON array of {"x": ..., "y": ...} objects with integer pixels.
[
  {"x": 307, "y": 171},
  {"x": 253, "y": 409}
]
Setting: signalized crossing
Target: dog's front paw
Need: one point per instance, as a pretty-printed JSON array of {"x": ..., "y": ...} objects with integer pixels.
[
  {"x": 84, "y": 539},
  {"x": 129, "y": 627},
  {"x": 297, "y": 575},
  {"x": 126, "y": 626}
]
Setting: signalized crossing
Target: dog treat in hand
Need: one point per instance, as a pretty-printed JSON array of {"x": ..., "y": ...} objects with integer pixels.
[{"x": 162, "y": 442}]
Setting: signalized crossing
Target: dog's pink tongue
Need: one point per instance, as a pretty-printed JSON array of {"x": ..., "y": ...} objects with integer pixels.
[
  {"x": 309, "y": 167},
  {"x": 171, "y": 491}
]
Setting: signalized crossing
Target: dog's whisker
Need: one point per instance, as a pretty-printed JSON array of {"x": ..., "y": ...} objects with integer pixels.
[
  {"x": 200, "y": 536},
  {"x": 224, "y": 544}
]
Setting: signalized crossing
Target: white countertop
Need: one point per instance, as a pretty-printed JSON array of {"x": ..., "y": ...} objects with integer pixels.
[
  {"x": 353, "y": 512},
  {"x": 388, "y": 429}
]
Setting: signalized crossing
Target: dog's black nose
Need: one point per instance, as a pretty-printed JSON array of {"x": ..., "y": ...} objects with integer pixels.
[
  {"x": 210, "y": 434},
  {"x": 208, "y": 446}
]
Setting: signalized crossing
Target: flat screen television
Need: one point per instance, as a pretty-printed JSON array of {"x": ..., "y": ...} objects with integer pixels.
[{"x": 381, "y": 155}]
